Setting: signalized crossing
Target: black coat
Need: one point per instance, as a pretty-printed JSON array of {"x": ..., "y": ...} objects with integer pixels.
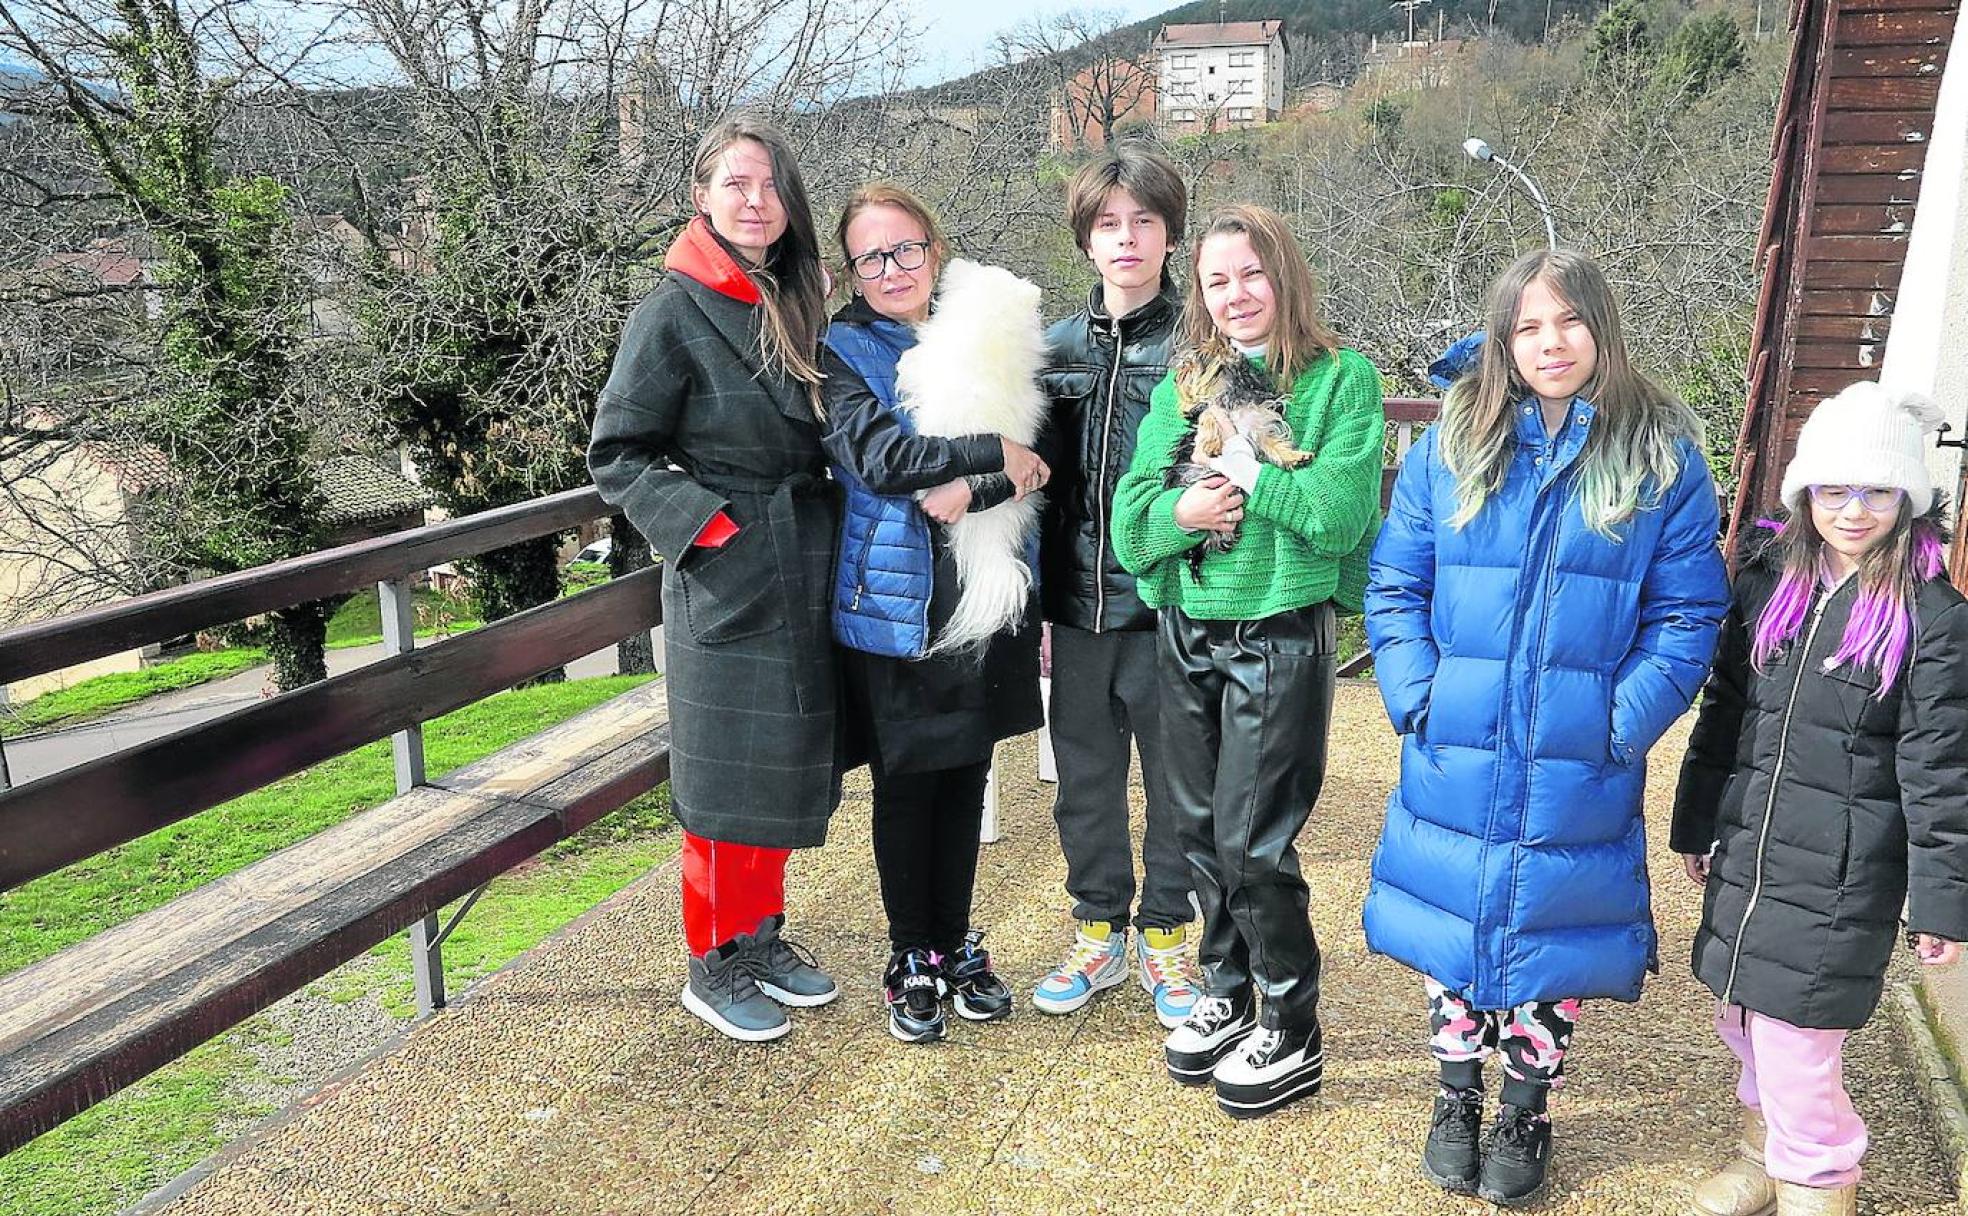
[
  {"x": 946, "y": 710},
  {"x": 1099, "y": 376},
  {"x": 1827, "y": 806},
  {"x": 688, "y": 426}
]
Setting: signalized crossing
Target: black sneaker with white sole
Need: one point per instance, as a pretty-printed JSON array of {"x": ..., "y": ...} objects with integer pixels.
[
  {"x": 1452, "y": 1155},
  {"x": 1214, "y": 1026},
  {"x": 912, "y": 990},
  {"x": 975, "y": 990},
  {"x": 1515, "y": 1156},
  {"x": 1271, "y": 1067}
]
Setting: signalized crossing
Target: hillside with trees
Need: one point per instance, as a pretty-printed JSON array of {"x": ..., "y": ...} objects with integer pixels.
[{"x": 500, "y": 188}]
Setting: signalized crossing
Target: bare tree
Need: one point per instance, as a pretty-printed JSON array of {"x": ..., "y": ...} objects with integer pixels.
[
  {"x": 554, "y": 141},
  {"x": 131, "y": 95},
  {"x": 1097, "y": 79}
]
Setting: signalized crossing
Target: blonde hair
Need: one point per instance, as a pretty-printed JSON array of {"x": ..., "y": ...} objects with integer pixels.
[
  {"x": 1630, "y": 458},
  {"x": 887, "y": 194},
  {"x": 1298, "y": 338},
  {"x": 791, "y": 284}
]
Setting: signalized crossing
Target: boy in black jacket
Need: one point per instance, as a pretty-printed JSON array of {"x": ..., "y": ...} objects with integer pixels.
[{"x": 1127, "y": 211}]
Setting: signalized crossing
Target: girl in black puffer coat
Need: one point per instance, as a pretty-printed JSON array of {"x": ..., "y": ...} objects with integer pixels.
[{"x": 1825, "y": 788}]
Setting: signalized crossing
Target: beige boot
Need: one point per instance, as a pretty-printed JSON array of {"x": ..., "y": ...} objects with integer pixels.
[
  {"x": 1794, "y": 1200},
  {"x": 1740, "y": 1188}
]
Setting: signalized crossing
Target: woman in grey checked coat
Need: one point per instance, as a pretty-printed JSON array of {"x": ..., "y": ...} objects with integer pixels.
[{"x": 708, "y": 438}]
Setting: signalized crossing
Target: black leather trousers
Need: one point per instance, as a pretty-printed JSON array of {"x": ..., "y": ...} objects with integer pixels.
[{"x": 1245, "y": 711}]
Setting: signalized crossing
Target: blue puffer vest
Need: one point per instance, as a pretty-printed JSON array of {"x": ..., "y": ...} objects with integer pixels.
[
  {"x": 1530, "y": 663},
  {"x": 885, "y": 576}
]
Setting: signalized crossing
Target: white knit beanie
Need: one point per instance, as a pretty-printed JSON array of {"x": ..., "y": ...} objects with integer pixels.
[{"x": 1867, "y": 436}]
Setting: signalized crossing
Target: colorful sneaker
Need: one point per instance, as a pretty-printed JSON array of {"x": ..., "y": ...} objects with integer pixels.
[
  {"x": 791, "y": 975},
  {"x": 723, "y": 990},
  {"x": 1097, "y": 960},
  {"x": 976, "y": 991},
  {"x": 1211, "y": 1031},
  {"x": 1168, "y": 973},
  {"x": 911, "y": 988}
]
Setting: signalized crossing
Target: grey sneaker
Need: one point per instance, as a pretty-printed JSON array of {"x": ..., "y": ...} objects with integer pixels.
[
  {"x": 792, "y": 975},
  {"x": 723, "y": 990}
]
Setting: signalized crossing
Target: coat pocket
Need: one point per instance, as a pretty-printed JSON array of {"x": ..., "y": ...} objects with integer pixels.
[{"x": 732, "y": 592}]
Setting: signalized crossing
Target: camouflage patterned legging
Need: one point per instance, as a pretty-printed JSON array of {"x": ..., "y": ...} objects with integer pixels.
[{"x": 1532, "y": 1037}]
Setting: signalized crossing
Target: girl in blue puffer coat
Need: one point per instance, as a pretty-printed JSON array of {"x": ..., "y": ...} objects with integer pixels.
[{"x": 1544, "y": 601}]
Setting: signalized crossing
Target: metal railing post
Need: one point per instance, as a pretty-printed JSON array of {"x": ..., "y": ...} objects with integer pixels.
[{"x": 407, "y": 750}]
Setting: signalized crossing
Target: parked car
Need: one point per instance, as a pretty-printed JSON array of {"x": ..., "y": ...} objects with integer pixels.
[{"x": 596, "y": 552}]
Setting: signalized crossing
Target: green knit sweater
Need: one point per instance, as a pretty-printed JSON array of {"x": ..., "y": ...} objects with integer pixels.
[{"x": 1301, "y": 526}]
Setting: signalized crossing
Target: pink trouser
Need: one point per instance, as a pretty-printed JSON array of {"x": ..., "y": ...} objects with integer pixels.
[{"x": 1796, "y": 1077}]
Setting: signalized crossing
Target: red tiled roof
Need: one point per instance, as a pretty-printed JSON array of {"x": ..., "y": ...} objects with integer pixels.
[{"x": 109, "y": 262}]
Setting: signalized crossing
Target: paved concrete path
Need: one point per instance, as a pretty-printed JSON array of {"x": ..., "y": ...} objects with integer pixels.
[
  {"x": 572, "y": 1083},
  {"x": 35, "y": 756}
]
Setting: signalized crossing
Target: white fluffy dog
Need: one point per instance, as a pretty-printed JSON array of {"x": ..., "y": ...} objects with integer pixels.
[{"x": 974, "y": 371}]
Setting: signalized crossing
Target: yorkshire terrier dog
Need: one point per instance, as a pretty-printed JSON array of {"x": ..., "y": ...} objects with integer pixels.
[{"x": 1221, "y": 398}]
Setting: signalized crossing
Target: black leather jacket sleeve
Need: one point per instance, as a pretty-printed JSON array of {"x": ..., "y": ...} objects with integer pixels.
[
  {"x": 867, "y": 440},
  {"x": 989, "y": 491}
]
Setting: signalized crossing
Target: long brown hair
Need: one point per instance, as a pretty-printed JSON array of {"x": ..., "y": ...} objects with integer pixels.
[
  {"x": 888, "y": 194},
  {"x": 790, "y": 279},
  {"x": 1298, "y": 338},
  {"x": 1630, "y": 458}
]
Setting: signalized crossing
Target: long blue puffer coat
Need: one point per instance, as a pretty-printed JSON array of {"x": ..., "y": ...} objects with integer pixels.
[{"x": 1530, "y": 663}]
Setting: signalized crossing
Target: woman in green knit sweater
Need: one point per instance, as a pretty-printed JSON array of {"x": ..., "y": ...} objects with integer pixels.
[{"x": 1247, "y": 635}]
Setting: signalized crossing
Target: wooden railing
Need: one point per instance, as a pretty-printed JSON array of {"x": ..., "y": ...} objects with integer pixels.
[{"x": 76, "y": 1026}]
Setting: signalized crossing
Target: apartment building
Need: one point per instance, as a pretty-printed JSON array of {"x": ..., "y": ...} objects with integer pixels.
[{"x": 1221, "y": 74}]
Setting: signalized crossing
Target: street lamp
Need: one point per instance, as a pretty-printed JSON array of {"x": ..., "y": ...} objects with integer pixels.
[{"x": 1479, "y": 150}]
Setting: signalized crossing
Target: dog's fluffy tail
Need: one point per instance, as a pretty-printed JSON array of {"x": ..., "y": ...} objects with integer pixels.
[{"x": 991, "y": 569}]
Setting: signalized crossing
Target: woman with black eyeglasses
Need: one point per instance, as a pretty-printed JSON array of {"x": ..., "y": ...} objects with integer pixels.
[{"x": 926, "y": 716}]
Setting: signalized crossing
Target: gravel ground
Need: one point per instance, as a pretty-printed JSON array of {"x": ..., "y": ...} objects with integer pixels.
[{"x": 573, "y": 1083}]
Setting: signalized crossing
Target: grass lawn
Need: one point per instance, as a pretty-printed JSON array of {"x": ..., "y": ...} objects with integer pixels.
[
  {"x": 359, "y": 622},
  {"x": 1352, "y": 636},
  {"x": 111, "y": 1155},
  {"x": 93, "y": 697}
]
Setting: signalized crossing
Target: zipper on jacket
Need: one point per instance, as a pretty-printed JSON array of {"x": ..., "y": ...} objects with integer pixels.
[
  {"x": 861, "y": 570},
  {"x": 1550, "y": 570},
  {"x": 1100, "y": 485},
  {"x": 1531, "y": 710},
  {"x": 1770, "y": 804}
]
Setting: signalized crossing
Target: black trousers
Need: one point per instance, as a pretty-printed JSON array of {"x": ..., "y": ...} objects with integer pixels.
[
  {"x": 925, "y": 829},
  {"x": 1245, "y": 711},
  {"x": 1106, "y": 692}
]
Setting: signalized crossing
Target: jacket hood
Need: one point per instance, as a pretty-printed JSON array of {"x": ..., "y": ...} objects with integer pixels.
[{"x": 699, "y": 254}]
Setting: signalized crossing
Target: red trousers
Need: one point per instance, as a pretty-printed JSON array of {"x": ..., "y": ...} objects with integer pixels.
[{"x": 729, "y": 889}]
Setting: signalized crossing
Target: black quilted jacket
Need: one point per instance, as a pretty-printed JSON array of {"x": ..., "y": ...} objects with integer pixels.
[{"x": 1830, "y": 808}]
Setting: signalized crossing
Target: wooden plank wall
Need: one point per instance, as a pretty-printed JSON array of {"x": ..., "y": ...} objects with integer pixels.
[{"x": 1849, "y": 149}]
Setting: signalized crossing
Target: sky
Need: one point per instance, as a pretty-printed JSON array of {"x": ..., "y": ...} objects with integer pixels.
[{"x": 959, "y": 32}]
